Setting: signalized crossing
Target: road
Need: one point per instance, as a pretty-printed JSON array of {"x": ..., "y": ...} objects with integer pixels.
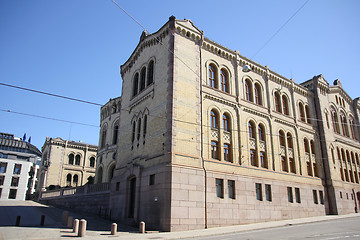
[{"x": 348, "y": 228}]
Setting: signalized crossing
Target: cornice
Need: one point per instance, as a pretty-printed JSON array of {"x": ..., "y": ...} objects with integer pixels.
[
  {"x": 219, "y": 100},
  {"x": 141, "y": 97}
]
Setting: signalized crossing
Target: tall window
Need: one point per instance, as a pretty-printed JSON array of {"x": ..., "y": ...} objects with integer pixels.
[
  {"x": 315, "y": 197},
  {"x": 327, "y": 120},
  {"x": 277, "y": 102},
  {"x": 71, "y": 158},
  {"x": 226, "y": 123},
  {"x": 219, "y": 188},
  {"x": 133, "y": 132},
  {"x": 258, "y": 94},
  {"x": 289, "y": 140},
  {"x": 263, "y": 160},
  {"x": 224, "y": 80},
  {"x": 231, "y": 189},
  {"x": 292, "y": 165},
  {"x": 75, "y": 180},
  {"x": 344, "y": 125},
  {"x": 212, "y": 76},
  {"x": 297, "y": 195},
  {"x": 302, "y": 112},
  {"x": 115, "y": 134},
  {"x": 268, "y": 194},
  {"x": 290, "y": 194},
  {"x": 77, "y": 160},
  {"x": 214, "y": 119},
  {"x": 142, "y": 78},
  {"x": 3, "y": 166},
  {"x": 68, "y": 179},
  {"x": 92, "y": 162},
  {"x": 103, "y": 137},
  {"x": 248, "y": 91},
  {"x": 352, "y": 127},
  {"x": 135, "y": 84},
  {"x": 284, "y": 164},
  {"x": 285, "y": 105},
  {"x": 150, "y": 76},
  {"x": 139, "y": 129},
  {"x": 214, "y": 150},
  {"x": 145, "y": 126},
  {"x": 258, "y": 191},
  {"x": 251, "y": 128},
  {"x": 253, "y": 159},
  {"x": 261, "y": 132},
  {"x": 282, "y": 138},
  {"x": 227, "y": 155},
  {"x": 308, "y": 116},
  {"x": 334, "y": 119}
]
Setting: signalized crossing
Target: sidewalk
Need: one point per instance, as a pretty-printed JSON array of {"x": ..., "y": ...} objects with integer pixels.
[{"x": 99, "y": 228}]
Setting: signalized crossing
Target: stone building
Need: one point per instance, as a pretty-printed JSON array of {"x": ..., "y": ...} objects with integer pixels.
[
  {"x": 66, "y": 164},
  {"x": 18, "y": 167},
  {"x": 203, "y": 137}
]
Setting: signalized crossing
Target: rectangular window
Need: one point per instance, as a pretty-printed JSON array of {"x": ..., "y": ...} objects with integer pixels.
[
  {"x": 117, "y": 186},
  {"x": 12, "y": 193},
  {"x": 152, "y": 179},
  {"x": 214, "y": 150},
  {"x": 263, "y": 161},
  {"x": 290, "y": 194},
  {"x": 308, "y": 167},
  {"x": 340, "y": 194},
  {"x": 219, "y": 188},
  {"x": 0, "y": 192},
  {"x": 297, "y": 195},
  {"x": 2, "y": 179},
  {"x": 17, "y": 169},
  {"x": 253, "y": 157},
  {"x": 227, "y": 152},
  {"x": 258, "y": 191},
  {"x": 292, "y": 165},
  {"x": 284, "y": 164},
  {"x": 321, "y": 196},
  {"x": 315, "y": 197},
  {"x": 15, "y": 181},
  {"x": 268, "y": 194},
  {"x": 3, "y": 166},
  {"x": 231, "y": 189}
]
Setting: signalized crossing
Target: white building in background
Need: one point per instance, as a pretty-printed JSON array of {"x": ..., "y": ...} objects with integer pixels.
[{"x": 18, "y": 167}]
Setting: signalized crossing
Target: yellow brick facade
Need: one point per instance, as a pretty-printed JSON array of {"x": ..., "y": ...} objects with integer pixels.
[{"x": 207, "y": 137}]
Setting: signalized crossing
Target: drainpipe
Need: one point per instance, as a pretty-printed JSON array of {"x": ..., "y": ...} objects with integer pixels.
[{"x": 201, "y": 131}]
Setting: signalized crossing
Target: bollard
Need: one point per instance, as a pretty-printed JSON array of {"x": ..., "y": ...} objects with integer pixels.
[
  {"x": 82, "y": 228},
  {"x": 42, "y": 221},
  {"x": 18, "y": 221},
  {"x": 142, "y": 227},
  {"x": 70, "y": 221},
  {"x": 65, "y": 216},
  {"x": 113, "y": 229},
  {"x": 76, "y": 226}
]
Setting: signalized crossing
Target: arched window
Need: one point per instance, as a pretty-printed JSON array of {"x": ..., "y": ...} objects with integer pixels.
[
  {"x": 289, "y": 140},
  {"x": 258, "y": 94},
  {"x": 71, "y": 158},
  {"x": 145, "y": 126},
  {"x": 306, "y": 145},
  {"x": 75, "y": 180},
  {"x": 308, "y": 116},
  {"x": 312, "y": 147},
  {"x": 115, "y": 134},
  {"x": 224, "y": 80},
  {"x": 133, "y": 132},
  {"x": 334, "y": 119},
  {"x": 226, "y": 122},
  {"x": 261, "y": 132},
  {"x": 77, "y": 160},
  {"x": 111, "y": 172},
  {"x": 139, "y": 129},
  {"x": 103, "y": 138},
  {"x": 212, "y": 76},
  {"x": 150, "y": 76},
  {"x": 142, "y": 78},
  {"x": 282, "y": 138},
  {"x": 214, "y": 150},
  {"x": 277, "y": 102},
  {"x": 68, "y": 179},
  {"x": 92, "y": 162},
  {"x": 227, "y": 152},
  {"x": 352, "y": 127},
  {"x": 136, "y": 84},
  {"x": 248, "y": 91},
  {"x": 344, "y": 125},
  {"x": 285, "y": 105},
  {"x": 251, "y": 127},
  {"x": 301, "y": 111},
  {"x": 214, "y": 119}
]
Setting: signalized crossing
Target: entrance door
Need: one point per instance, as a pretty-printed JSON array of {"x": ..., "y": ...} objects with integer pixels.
[{"x": 132, "y": 194}]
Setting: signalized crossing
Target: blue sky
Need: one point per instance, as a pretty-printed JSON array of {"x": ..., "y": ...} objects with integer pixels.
[{"x": 75, "y": 48}]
